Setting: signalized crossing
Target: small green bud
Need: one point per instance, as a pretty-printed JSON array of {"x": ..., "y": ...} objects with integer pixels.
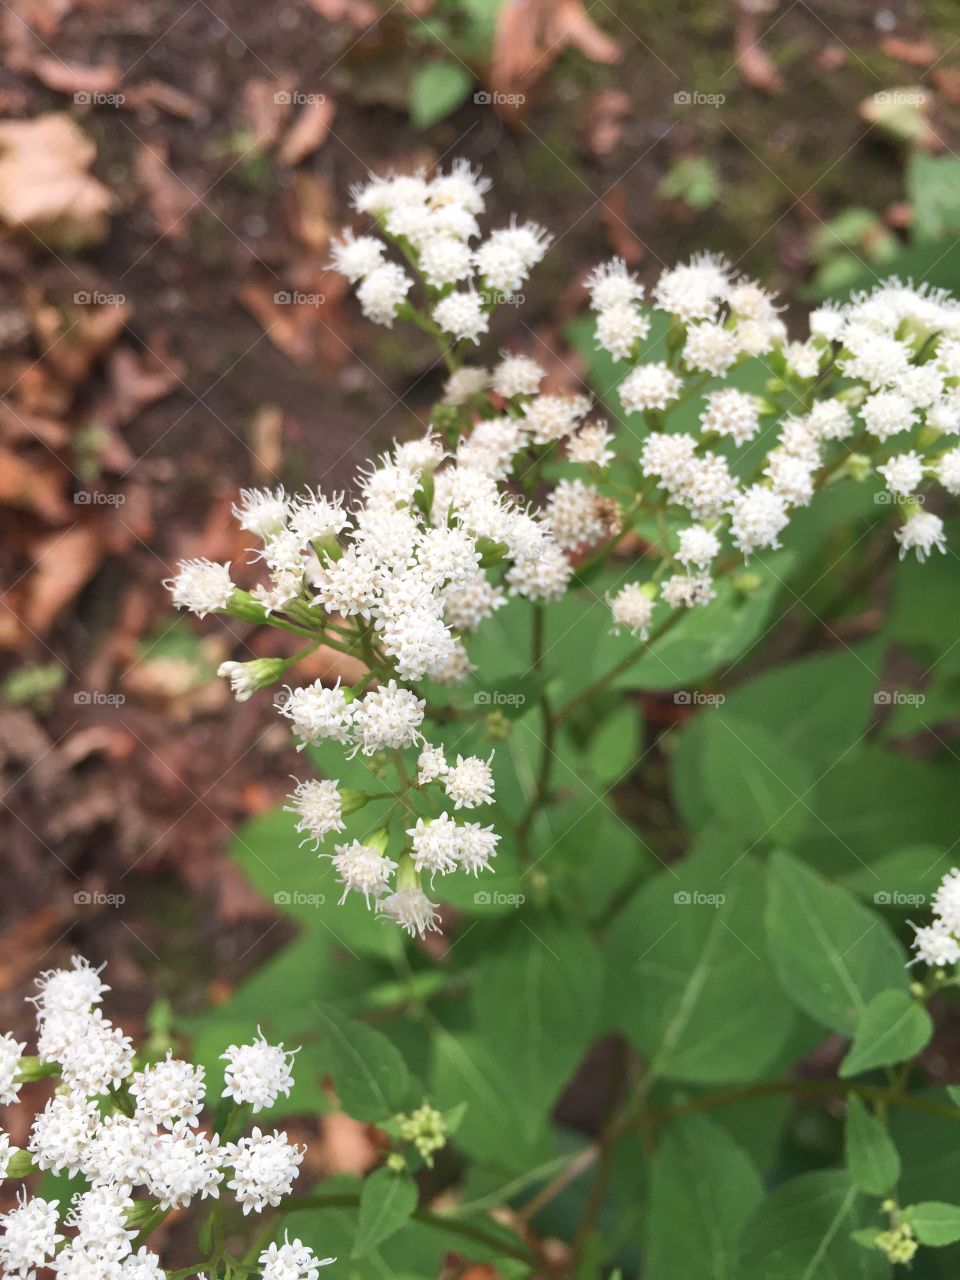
[
  {"x": 379, "y": 840},
  {"x": 424, "y": 494},
  {"x": 20, "y": 1165},
  {"x": 244, "y": 606},
  {"x": 425, "y": 1129},
  {"x": 327, "y": 548},
  {"x": 396, "y": 1162},
  {"x": 747, "y": 582},
  {"x": 918, "y": 990},
  {"x": 496, "y": 726},
  {"x": 857, "y": 467},
  {"x": 351, "y": 800}
]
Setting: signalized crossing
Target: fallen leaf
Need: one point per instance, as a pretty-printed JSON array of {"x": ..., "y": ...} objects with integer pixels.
[
  {"x": 64, "y": 564},
  {"x": 74, "y": 77},
  {"x": 34, "y": 487},
  {"x": 45, "y": 186},
  {"x": 947, "y": 81},
  {"x": 916, "y": 53},
  {"x": 170, "y": 199},
  {"x": 264, "y": 108},
  {"x": 359, "y": 13},
  {"x": 155, "y": 93},
  {"x": 137, "y": 379},
  {"x": 308, "y": 131},
  {"x": 753, "y": 62},
  {"x": 603, "y": 122},
  {"x": 74, "y": 338},
  {"x": 530, "y": 36},
  {"x": 313, "y": 212},
  {"x": 43, "y": 16},
  {"x": 288, "y": 326}
]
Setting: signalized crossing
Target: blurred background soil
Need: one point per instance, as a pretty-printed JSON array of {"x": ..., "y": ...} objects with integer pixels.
[{"x": 170, "y": 177}]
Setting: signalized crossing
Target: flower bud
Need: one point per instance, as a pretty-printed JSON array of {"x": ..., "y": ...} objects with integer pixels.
[{"x": 247, "y": 677}]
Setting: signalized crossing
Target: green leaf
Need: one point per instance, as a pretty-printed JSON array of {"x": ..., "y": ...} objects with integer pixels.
[
  {"x": 615, "y": 746},
  {"x": 387, "y": 1199},
  {"x": 831, "y": 954},
  {"x": 757, "y": 787},
  {"x": 934, "y": 1222},
  {"x": 893, "y": 1028},
  {"x": 872, "y": 1159},
  {"x": 687, "y": 978},
  {"x": 437, "y": 89},
  {"x": 371, "y": 1078},
  {"x": 933, "y": 189},
  {"x": 802, "y": 1232},
  {"x": 703, "y": 1190},
  {"x": 537, "y": 1003}
]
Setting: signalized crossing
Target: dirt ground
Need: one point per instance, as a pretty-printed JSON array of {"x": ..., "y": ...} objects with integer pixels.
[{"x": 150, "y": 372}]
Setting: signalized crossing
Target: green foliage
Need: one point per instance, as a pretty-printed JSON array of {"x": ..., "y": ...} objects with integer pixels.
[
  {"x": 831, "y": 954},
  {"x": 892, "y": 1029},
  {"x": 871, "y": 1156},
  {"x": 934, "y": 1222},
  {"x": 387, "y": 1199},
  {"x": 437, "y": 89},
  {"x": 370, "y": 1075}
]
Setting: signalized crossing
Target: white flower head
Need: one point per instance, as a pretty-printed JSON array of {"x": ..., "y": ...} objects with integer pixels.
[
  {"x": 257, "y": 1073},
  {"x": 469, "y": 782},
  {"x": 922, "y": 533},
  {"x": 201, "y": 586}
]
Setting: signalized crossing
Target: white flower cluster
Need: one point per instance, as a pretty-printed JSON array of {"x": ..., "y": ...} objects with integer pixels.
[
  {"x": 899, "y": 345},
  {"x": 433, "y": 222},
  {"x": 511, "y": 492},
  {"x": 938, "y": 944},
  {"x": 125, "y": 1131}
]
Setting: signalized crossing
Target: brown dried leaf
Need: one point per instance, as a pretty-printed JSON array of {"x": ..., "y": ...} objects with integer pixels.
[
  {"x": 947, "y": 81},
  {"x": 74, "y": 77},
  {"x": 43, "y": 16},
  {"x": 359, "y": 13},
  {"x": 531, "y": 35},
  {"x": 754, "y": 64},
  {"x": 265, "y": 108},
  {"x": 137, "y": 380},
  {"x": 45, "y": 186},
  {"x": 314, "y": 213},
  {"x": 65, "y": 563},
  {"x": 75, "y": 338},
  {"x": 308, "y": 131},
  {"x": 916, "y": 53},
  {"x": 154, "y": 93},
  {"x": 289, "y": 327},
  {"x": 603, "y": 122},
  {"x": 170, "y": 199},
  {"x": 34, "y": 488}
]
